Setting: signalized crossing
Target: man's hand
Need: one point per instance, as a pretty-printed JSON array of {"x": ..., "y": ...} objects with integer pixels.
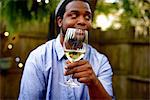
[{"x": 82, "y": 71}]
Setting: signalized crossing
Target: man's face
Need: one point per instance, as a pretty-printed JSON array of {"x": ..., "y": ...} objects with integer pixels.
[{"x": 78, "y": 15}]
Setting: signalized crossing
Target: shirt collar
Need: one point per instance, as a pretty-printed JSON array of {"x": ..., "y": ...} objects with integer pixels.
[{"x": 58, "y": 47}]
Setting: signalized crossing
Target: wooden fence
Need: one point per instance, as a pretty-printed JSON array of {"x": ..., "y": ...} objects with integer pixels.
[
  {"x": 130, "y": 60},
  {"x": 23, "y": 44},
  {"x": 129, "y": 57}
]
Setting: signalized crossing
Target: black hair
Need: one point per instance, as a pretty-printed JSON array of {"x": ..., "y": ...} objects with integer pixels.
[{"x": 62, "y": 9}]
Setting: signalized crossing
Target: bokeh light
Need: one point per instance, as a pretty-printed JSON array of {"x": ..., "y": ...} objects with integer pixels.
[
  {"x": 17, "y": 59},
  {"x": 6, "y": 34},
  {"x": 10, "y": 46},
  {"x": 104, "y": 21},
  {"x": 47, "y": 1},
  {"x": 20, "y": 65},
  {"x": 38, "y": 0},
  {"x": 111, "y": 1}
]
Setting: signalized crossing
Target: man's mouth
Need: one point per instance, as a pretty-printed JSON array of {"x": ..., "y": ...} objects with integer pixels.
[{"x": 75, "y": 34}]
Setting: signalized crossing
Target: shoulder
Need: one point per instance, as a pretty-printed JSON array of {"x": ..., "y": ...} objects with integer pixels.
[
  {"x": 97, "y": 59},
  {"x": 42, "y": 48},
  {"x": 41, "y": 54},
  {"x": 96, "y": 54}
]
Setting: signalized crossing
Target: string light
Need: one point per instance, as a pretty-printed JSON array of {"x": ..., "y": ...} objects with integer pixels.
[
  {"x": 6, "y": 34},
  {"x": 111, "y": 1},
  {"x": 17, "y": 59},
  {"x": 20, "y": 65},
  {"x": 46, "y": 1},
  {"x": 38, "y": 0},
  {"x": 10, "y": 46}
]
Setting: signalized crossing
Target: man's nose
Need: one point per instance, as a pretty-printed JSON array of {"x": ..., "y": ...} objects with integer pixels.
[{"x": 81, "y": 21}]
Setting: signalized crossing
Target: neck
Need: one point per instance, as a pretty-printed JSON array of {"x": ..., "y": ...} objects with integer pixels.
[{"x": 61, "y": 38}]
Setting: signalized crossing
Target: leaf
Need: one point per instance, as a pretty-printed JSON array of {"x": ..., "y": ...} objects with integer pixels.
[{"x": 29, "y": 4}]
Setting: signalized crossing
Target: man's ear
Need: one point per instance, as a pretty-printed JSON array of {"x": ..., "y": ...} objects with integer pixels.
[{"x": 59, "y": 21}]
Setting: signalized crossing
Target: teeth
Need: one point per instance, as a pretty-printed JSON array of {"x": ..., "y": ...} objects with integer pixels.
[
  {"x": 67, "y": 36},
  {"x": 71, "y": 35}
]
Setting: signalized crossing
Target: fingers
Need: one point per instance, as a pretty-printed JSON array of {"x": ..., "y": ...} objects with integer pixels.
[
  {"x": 77, "y": 69},
  {"x": 75, "y": 64},
  {"x": 82, "y": 74},
  {"x": 84, "y": 80},
  {"x": 81, "y": 70},
  {"x": 84, "y": 77},
  {"x": 88, "y": 80}
]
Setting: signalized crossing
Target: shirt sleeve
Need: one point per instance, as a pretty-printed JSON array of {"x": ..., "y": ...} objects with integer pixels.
[
  {"x": 105, "y": 75},
  {"x": 32, "y": 82}
]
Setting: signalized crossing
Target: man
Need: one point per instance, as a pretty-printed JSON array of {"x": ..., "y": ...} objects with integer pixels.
[{"x": 44, "y": 68}]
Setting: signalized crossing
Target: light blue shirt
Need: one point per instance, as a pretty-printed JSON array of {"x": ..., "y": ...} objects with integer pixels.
[{"x": 44, "y": 70}]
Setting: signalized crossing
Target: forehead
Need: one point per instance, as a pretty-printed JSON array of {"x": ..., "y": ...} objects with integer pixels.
[{"x": 78, "y": 5}]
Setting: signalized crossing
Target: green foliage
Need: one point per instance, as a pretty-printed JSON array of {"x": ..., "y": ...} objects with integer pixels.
[
  {"x": 135, "y": 14},
  {"x": 103, "y": 7},
  {"x": 16, "y": 12}
]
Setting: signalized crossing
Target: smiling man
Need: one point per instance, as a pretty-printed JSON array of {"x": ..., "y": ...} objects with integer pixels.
[{"x": 44, "y": 68}]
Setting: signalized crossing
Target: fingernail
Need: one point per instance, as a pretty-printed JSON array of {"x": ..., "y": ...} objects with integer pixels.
[
  {"x": 65, "y": 73},
  {"x": 67, "y": 62},
  {"x": 66, "y": 67}
]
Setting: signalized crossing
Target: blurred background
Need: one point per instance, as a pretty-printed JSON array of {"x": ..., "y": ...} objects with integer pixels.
[{"x": 121, "y": 30}]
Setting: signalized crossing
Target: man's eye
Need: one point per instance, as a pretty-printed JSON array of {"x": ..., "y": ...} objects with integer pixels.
[
  {"x": 73, "y": 16},
  {"x": 87, "y": 17}
]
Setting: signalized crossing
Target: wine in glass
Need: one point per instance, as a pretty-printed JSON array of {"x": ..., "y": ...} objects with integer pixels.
[{"x": 74, "y": 45}]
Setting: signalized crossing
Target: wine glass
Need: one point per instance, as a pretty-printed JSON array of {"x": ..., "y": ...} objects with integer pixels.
[{"x": 74, "y": 45}]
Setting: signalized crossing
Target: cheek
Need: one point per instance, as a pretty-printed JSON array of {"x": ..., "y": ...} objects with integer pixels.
[
  {"x": 89, "y": 25},
  {"x": 67, "y": 24}
]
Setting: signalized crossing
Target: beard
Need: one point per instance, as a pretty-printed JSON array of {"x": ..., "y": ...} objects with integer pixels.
[{"x": 63, "y": 31}]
